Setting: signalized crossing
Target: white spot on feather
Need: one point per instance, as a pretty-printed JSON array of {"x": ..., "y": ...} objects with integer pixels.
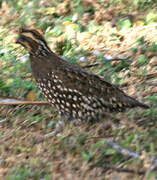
[
  {"x": 75, "y": 98},
  {"x": 67, "y": 104}
]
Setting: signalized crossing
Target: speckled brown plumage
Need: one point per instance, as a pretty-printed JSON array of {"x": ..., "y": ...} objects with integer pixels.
[{"x": 74, "y": 92}]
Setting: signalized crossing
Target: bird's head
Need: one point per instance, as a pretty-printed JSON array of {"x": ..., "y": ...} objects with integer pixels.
[{"x": 33, "y": 42}]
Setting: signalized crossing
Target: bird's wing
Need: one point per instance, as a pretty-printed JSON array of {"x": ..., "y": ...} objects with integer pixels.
[{"x": 95, "y": 88}]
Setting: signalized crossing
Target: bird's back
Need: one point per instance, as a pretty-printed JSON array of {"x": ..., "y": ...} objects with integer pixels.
[{"x": 80, "y": 94}]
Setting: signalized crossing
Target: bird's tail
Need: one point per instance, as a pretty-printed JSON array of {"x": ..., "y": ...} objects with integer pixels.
[{"x": 134, "y": 103}]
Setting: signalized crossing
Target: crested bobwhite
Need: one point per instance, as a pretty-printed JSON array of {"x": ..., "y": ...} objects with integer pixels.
[{"x": 74, "y": 92}]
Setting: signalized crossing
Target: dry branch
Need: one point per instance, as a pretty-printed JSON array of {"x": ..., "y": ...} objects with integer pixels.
[
  {"x": 12, "y": 101},
  {"x": 105, "y": 59}
]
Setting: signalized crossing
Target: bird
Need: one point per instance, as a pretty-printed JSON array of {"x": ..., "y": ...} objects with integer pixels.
[{"x": 75, "y": 93}]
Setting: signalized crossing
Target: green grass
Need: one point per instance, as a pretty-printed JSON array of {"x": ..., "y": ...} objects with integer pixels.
[{"x": 74, "y": 30}]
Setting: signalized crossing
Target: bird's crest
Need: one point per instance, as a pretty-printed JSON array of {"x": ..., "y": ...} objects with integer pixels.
[{"x": 33, "y": 41}]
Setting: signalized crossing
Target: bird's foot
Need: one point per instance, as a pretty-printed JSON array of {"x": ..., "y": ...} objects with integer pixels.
[{"x": 56, "y": 132}]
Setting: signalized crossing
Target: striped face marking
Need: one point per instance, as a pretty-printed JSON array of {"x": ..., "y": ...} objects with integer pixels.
[
  {"x": 26, "y": 45},
  {"x": 34, "y": 42},
  {"x": 30, "y": 35}
]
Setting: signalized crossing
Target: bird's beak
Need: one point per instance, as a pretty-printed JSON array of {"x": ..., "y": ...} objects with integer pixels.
[{"x": 18, "y": 41}]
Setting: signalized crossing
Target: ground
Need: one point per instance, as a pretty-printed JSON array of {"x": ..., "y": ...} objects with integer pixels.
[{"x": 121, "y": 37}]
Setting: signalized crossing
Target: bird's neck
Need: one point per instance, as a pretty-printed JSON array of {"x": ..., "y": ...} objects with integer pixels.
[{"x": 41, "y": 50}]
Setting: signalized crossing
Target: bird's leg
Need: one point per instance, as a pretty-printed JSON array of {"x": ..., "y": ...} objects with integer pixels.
[{"x": 59, "y": 128}]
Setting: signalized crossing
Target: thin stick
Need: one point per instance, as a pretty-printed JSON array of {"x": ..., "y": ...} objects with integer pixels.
[
  {"x": 105, "y": 59},
  {"x": 15, "y": 101},
  {"x": 121, "y": 150},
  {"x": 125, "y": 170},
  {"x": 91, "y": 65}
]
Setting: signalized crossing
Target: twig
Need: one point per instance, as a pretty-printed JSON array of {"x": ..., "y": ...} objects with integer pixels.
[
  {"x": 10, "y": 101},
  {"x": 152, "y": 55},
  {"x": 25, "y": 103},
  {"x": 125, "y": 170},
  {"x": 126, "y": 152},
  {"x": 121, "y": 150},
  {"x": 151, "y": 75},
  {"x": 105, "y": 59},
  {"x": 153, "y": 91},
  {"x": 58, "y": 129},
  {"x": 154, "y": 161},
  {"x": 151, "y": 83},
  {"x": 115, "y": 59},
  {"x": 91, "y": 65}
]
